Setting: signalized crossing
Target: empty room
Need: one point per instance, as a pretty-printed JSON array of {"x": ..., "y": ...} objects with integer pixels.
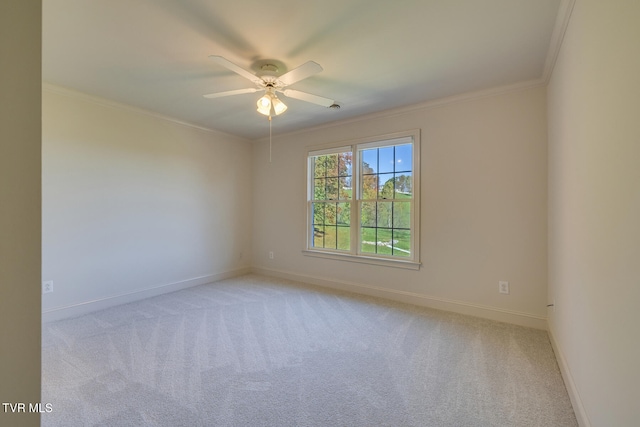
[{"x": 337, "y": 213}]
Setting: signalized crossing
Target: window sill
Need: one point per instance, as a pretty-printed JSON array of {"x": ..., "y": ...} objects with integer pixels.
[{"x": 385, "y": 262}]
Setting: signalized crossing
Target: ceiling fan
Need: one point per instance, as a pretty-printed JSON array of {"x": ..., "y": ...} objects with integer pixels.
[{"x": 268, "y": 81}]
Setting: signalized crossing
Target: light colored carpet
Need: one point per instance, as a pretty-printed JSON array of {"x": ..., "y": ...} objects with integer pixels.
[{"x": 257, "y": 351}]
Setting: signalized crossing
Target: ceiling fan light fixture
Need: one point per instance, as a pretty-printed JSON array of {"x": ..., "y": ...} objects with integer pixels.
[
  {"x": 264, "y": 105},
  {"x": 270, "y": 102},
  {"x": 278, "y": 106}
]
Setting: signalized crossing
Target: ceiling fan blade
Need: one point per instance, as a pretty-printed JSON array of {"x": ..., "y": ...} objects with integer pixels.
[
  {"x": 231, "y": 92},
  {"x": 307, "y": 69},
  {"x": 303, "y": 96},
  {"x": 236, "y": 69}
]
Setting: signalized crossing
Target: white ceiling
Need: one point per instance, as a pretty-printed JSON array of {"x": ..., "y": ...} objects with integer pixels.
[{"x": 376, "y": 54}]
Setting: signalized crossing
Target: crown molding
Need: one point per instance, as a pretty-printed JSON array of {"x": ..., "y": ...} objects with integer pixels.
[
  {"x": 562, "y": 22},
  {"x": 72, "y": 93},
  {"x": 560, "y": 27},
  {"x": 463, "y": 97}
]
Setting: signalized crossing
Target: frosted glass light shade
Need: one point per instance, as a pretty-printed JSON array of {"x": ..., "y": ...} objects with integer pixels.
[
  {"x": 270, "y": 102},
  {"x": 278, "y": 106},
  {"x": 264, "y": 105}
]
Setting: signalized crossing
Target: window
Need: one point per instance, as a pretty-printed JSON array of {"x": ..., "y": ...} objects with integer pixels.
[
  {"x": 363, "y": 201},
  {"x": 331, "y": 201}
]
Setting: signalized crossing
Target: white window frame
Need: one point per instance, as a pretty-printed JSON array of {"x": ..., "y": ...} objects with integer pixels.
[{"x": 355, "y": 147}]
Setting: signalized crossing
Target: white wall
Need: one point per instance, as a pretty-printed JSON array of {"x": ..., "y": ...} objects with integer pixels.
[
  {"x": 135, "y": 205},
  {"x": 20, "y": 136},
  {"x": 594, "y": 211},
  {"x": 483, "y": 207}
]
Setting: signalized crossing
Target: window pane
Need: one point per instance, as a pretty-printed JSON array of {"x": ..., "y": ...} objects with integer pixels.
[
  {"x": 402, "y": 243},
  {"x": 319, "y": 189},
  {"x": 401, "y": 214},
  {"x": 386, "y": 186},
  {"x": 343, "y": 214},
  {"x": 385, "y": 215},
  {"x": 332, "y": 165},
  {"x": 332, "y": 188},
  {"x": 330, "y": 237},
  {"x": 385, "y": 159},
  {"x": 385, "y": 228},
  {"x": 319, "y": 169},
  {"x": 331, "y": 225},
  {"x": 344, "y": 238},
  {"x": 369, "y": 161},
  {"x": 326, "y": 184},
  {"x": 368, "y": 214},
  {"x": 344, "y": 189},
  {"x": 330, "y": 214},
  {"x": 404, "y": 158},
  {"x": 404, "y": 185},
  {"x": 344, "y": 164},
  {"x": 368, "y": 239},
  {"x": 369, "y": 187},
  {"x": 318, "y": 213},
  {"x": 385, "y": 242},
  {"x": 318, "y": 236}
]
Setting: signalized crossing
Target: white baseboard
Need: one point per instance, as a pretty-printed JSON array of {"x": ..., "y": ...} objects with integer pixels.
[
  {"x": 576, "y": 401},
  {"x": 111, "y": 301},
  {"x": 501, "y": 315}
]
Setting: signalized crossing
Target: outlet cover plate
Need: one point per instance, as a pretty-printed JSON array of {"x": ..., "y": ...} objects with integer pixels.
[
  {"x": 47, "y": 287},
  {"x": 503, "y": 287}
]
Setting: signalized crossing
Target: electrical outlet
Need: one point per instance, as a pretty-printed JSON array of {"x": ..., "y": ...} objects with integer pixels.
[
  {"x": 503, "y": 287},
  {"x": 47, "y": 287},
  {"x": 271, "y": 255}
]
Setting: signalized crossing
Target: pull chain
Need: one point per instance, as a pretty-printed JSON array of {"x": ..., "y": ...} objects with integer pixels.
[{"x": 269, "y": 139}]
